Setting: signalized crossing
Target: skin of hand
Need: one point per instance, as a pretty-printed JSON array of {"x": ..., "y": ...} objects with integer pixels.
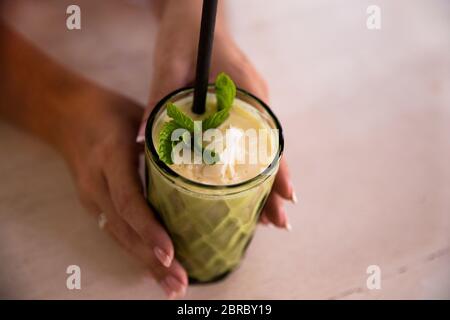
[{"x": 174, "y": 67}]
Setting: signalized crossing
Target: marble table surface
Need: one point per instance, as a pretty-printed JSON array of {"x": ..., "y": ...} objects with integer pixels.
[{"x": 366, "y": 115}]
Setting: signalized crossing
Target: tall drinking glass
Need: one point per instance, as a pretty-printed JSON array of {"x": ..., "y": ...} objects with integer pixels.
[{"x": 210, "y": 225}]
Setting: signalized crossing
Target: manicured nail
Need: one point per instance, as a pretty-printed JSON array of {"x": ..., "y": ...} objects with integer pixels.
[
  {"x": 294, "y": 198},
  {"x": 287, "y": 225},
  {"x": 140, "y": 139},
  {"x": 141, "y": 133},
  {"x": 163, "y": 257},
  {"x": 167, "y": 289},
  {"x": 176, "y": 287}
]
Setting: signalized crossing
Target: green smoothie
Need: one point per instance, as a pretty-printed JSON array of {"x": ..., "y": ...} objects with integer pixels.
[{"x": 211, "y": 210}]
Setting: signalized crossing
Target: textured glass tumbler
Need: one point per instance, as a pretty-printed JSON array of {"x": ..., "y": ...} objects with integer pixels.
[{"x": 211, "y": 226}]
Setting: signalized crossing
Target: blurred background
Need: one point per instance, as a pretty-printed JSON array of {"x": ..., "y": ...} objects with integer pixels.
[{"x": 366, "y": 115}]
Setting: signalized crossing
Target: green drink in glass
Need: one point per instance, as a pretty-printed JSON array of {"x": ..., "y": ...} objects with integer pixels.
[{"x": 211, "y": 210}]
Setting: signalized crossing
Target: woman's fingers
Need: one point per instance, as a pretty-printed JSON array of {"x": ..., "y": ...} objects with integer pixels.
[
  {"x": 274, "y": 211},
  {"x": 172, "y": 279},
  {"x": 125, "y": 189},
  {"x": 282, "y": 190},
  {"x": 263, "y": 218},
  {"x": 135, "y": 227},
  {"x": 283, "y": 185},
  {"x": 96, "y": 198}
]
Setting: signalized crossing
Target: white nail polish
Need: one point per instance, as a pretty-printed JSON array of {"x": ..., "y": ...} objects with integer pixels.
[
  {"x": 169, "y": 292},
  {"x": 288, "y": 227},
  {"x": 162, "y": 257},
  {"x": 176, "y": 286},
  {"x": 140, "y": 139},
  {"x": 294, "y": 197}
]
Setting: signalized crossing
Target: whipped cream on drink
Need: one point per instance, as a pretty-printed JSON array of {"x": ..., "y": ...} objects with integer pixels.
[{"x": 244, "y": 142}]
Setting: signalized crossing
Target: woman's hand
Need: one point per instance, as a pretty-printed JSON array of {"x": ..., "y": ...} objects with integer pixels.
[
  {"x": 99, "y": 145},
  {"x": 174, "y": 67},
  {"x": 95, "y": 130}
]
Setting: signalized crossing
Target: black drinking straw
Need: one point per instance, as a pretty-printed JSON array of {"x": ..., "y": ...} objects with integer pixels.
[{"x": 205, "y": 44}]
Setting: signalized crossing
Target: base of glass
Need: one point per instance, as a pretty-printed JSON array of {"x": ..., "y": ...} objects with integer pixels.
[{"x": 216, "y": 279}]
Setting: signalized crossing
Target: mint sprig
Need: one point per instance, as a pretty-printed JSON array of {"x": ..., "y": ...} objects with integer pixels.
[
  {"x": 183, "y": 120},
  {"x": 165, "y": 142},
  {"x": 225, "y": 91},
  {"x": 180, "y": 121},
  {"x": 216, "y": 119},
  {"x": 225, "y": 94}
]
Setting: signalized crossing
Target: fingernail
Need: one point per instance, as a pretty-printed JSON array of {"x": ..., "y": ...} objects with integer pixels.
[
  {"x": 294, "y": 198},
  {"x": 176, "y": 287},
  {"x": 167, "y": 289},
  {"x": 287, "y": 225},
  {"x": 163, "y": 257},
  {"x": 140, "y": 139},
  {"x": 141, "y": 133}
]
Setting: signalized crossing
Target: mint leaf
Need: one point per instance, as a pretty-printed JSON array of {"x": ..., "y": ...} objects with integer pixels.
[
  {"x": 225, "y": 91},
  {"x": 180, "y": 121},
  {"x": 225, "y": 94},
  {"x": 180, "y": 117},
  {"x": 216, "y": 119},
  {"x": 165, "y": 143}
]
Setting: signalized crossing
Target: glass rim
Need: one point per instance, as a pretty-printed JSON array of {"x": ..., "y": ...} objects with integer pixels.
[{"x": 167, "y": 170}]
